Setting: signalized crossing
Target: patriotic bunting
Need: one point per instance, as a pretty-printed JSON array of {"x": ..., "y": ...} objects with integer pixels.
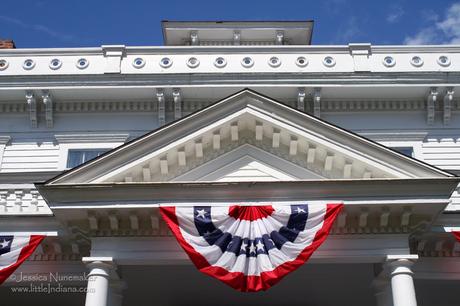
[
  {"x": 14, "y": 250},
  {"x": 457, "y": 235},
  {"x": 251, "y": 248}
]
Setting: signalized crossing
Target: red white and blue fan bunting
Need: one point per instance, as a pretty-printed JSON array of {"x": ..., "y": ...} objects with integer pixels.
[
  {"x": 14, "y": 250},
  {"x": 251, "y": 248}
]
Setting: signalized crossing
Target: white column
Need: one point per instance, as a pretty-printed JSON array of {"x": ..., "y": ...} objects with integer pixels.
[
  {"x": 98, "y": 280},
  {"x": 402, "y": 283}
]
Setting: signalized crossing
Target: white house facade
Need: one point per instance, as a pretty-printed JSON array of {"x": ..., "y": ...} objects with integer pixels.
[{"x": 93, "y": 141}]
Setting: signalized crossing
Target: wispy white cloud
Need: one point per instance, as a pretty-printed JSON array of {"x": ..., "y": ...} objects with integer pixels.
[
  {"x": 396, "y": 13},
  {"x": 441, "y": 31},
  {"x": 450, "y": 26},
  {"x": 38, "y": 28},
  {"x": 349, "y": 31}
]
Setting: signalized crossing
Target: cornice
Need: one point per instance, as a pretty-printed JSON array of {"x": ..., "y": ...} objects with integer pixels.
[
  {"x": 397, "y": 136},
  {"x": 89, "y": 138},
  {"x": 170, "y": 192},
  {"x": 240, "y": 80},
  {"x": 191, "y": 105},
  {"x": 26, "y": 177}
]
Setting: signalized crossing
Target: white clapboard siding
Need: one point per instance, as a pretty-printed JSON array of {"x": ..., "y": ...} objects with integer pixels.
[
  {"x": 42, "y": 156},
  {"x": 444, "y": 154}
]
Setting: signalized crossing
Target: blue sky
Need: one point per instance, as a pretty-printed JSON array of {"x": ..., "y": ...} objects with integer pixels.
[{"x": 66, "y": 23}]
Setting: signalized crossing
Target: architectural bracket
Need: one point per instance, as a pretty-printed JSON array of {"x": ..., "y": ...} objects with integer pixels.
[
  {"x": 177, "y": 98},
  {"x": 301, "y": 99},
  {"x": 317, "y": 102},
  {"x": 447, "y": 105},
  {"x": 32, "y": 105},
  {"x": 194, "y": 39},
  {"x": 430, "y": 104},
  {"x": 48, "y": 102},
  {"x": 161, "y": 106},
  {"x": 236, "y": 37},
  {"x": 279, "y": 38}
]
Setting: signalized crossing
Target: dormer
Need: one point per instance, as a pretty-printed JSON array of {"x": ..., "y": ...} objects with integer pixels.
[{"x": 225, "y": 33}]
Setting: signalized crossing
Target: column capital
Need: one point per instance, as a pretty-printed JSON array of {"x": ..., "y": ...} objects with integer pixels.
[
  {"x": 102, "y": 260},
  {"x": 100, "y": 265},
  {"x": 410, "y": 259},
  {"x": 401, "y": 264}
]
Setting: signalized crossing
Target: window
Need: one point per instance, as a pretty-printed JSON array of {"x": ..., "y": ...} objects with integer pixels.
[
  {"x": 408, "y": 151},
  {"x": 79, "y": 156}
]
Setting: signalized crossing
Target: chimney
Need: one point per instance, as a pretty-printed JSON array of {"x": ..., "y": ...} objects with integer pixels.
[{"x": 7, "y": 44}]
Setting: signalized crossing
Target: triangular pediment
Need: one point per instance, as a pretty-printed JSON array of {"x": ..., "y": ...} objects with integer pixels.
[{"x": 245, "y": 137}]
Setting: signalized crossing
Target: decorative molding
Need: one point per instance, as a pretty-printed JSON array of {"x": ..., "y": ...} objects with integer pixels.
[
  {"x": 394, "y": 136},
  {"x": 447, "y": 105},
  {"x": 431, "y": 105},
  {"x": 194, "y": 104},
  {"x": 177, "y": 98},
  {"x": 194, "y": 39},
  {"x": 22, "y": 201},
  {"x": 90, "y": 138},
  {"x": 161, "y": 106},
  {"x": 435, "y": 244},
  {"x": 32, "y": 105},
  {"x": 301, "y": 99},
  {"x": 48, "y": 103},
  {"x": 145, "y": 221},
  {"x": 236, "y": 37},
  {"x": 317, "y": 102},
  {"x": 279, "y": 39},
  {"x": 368, "y": 105},
  {"x": 104, "y": 106}
]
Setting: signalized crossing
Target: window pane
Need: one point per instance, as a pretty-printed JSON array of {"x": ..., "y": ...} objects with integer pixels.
[
  {"x": 77, "y": 157},
  {"x": 409, "y": 151},
  {"x": 74, "y": 158}
]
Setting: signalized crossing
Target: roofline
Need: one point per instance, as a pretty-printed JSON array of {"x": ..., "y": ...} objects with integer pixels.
[{"x": 161, "y": 49}]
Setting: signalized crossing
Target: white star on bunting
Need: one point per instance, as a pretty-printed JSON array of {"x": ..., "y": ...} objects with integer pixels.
[
  {"x": 201, "y": 213},
  {"x": 260, "y": 246},
  {"x": 300, "y": 210},
  {"x": 4, "y": 244}
]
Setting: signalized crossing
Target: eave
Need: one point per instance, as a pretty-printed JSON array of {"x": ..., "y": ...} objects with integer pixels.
[{"x": 155, "y": 194}]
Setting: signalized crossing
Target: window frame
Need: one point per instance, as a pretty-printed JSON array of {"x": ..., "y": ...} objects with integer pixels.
[
  {"x": 415, "y": 145},
  {"x": 65, "y": 147},
  {"x": 99, "y": 150}
]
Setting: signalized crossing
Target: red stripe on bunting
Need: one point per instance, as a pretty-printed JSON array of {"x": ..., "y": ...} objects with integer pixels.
[
  {"x": 26, "y": 251},
  {"x": 250, "y": 213},
  {"x": 252, "y": 283},
  {"x": 457, "y": 235}
]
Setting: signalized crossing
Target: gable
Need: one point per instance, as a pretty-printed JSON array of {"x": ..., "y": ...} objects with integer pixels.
[{"x": 247, "y": 118}]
